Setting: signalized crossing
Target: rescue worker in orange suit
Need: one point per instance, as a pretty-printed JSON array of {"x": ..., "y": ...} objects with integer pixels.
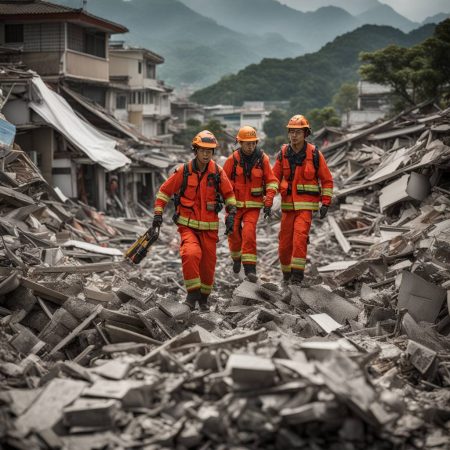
[
  {"x": 198, "y": 188},
  {"x": 255, "y": 186},
  {"x": 306, "y": 185}
]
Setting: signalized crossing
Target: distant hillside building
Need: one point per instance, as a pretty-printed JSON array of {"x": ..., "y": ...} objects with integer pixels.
[
  {"x": 253, "y": 114},
  {"x": 373, "y": 104},
  {"x": 184, "y": 110},
  {"x": 138, "y": 96}
]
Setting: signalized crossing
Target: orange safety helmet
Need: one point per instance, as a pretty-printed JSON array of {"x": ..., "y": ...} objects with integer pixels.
[
  {"x": 299, "y": 121},
  {"x": 247, "y": 134},
  {"x": 204, "y": 139}
]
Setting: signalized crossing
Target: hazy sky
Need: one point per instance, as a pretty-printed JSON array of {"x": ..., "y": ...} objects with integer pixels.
[{"x": 416, "y": 10}]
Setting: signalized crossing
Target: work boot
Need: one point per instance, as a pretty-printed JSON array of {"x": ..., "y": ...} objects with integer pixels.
[
  {"x": 297, "y": 277},
  {"x": 203, "y": 303},
  {"x": 192, "y": 298},
  {"x": 286, "y": 276},
  {"x": 236, "y": 265},
  {"x": 250, "y": 272}
]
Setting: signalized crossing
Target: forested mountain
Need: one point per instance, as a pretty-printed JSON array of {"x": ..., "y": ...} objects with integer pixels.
[
  {"x": 309, "y": 81},
  {"x": 203, "y": 40}
]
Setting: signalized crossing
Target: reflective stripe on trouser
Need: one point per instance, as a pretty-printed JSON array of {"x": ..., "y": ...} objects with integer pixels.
[
  {"x": 198, "y": 258},
  {"x": 243, "y": 239},
  {"x": 293, "y": 239}
]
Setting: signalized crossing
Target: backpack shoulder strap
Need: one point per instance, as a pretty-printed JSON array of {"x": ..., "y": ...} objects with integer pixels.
[
  {"x": 235, "y": 164},
  {"x": 260, "y": 157},
  {"x": 316, "y": 158},
  {"x": 186, "y": 174},
  {"x": 281, "y": 152}
]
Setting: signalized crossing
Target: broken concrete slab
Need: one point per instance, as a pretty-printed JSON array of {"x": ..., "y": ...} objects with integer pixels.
[
  {"x": 131, "y": 393},
  {"x": 322, "y": 300},
  {"x": 251, "y": 370},
  {"x": 174, "y": 309},
  {"x": 338, "y": 265},
  {"x": 413, "y": 186},
  {"x": 25, "y": 342},
  {"x": 422, "y": 299},
  {"x": 327, "y": 323},
  {"x": 47, "y": 409},
  {"x": 92, "y": 413},
  {"x": 114, "y": 369},
  {"x": 19, "y": 400},
  {"x": 321, "y": 350}
]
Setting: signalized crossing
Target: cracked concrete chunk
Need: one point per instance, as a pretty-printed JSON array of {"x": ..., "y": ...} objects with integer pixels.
[
  {"x": 174, "y": 309},
  {"x": 321, "y": 300},
  {"x": 251, "y": 370},
  {"x": 422, "y": 299}
]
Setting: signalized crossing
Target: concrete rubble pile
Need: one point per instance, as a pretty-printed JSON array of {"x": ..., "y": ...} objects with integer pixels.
[{"x": 96, "y": 353}]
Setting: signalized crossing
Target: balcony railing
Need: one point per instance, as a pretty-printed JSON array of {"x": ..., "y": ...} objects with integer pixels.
[{"x": 81, "y": 65}]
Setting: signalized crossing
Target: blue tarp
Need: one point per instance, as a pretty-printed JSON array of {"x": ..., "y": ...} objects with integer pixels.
[{"x": 7, "y": 133}]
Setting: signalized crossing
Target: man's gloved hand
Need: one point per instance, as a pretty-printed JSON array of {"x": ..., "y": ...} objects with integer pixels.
[
  {"x": 157, "y": 221},
  {"x": 267, "y": 212},
  {"x": 323, "y": 211},
  {"x": 229, "y": 223}
]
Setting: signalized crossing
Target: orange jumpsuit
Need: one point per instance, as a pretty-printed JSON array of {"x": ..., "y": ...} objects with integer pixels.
[
  {"x": 250, "y": 198},
  {"x": 198, "y": 221},
  {"x": 300, "y": 192}
]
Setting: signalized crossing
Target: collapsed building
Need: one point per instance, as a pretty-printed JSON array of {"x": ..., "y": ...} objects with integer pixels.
[{"x": 357, "y": 357}]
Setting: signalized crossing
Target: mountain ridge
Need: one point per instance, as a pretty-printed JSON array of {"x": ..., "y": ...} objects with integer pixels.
[{"x": 310, "y": 80}]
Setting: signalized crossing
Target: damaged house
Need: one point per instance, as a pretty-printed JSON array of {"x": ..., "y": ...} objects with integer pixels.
[{"x": 71, "y": 55}]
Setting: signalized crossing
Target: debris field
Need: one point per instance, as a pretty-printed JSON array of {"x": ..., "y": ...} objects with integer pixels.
[{"x": 98, "y": 353}]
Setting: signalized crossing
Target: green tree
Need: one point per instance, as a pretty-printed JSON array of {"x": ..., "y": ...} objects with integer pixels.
[
  {"x": 319, "y": 118},
  {"x": 416, "y": 73},
  {"x": 184, "y": 137},
  {"x": 346, "y": 98},
  {"x": 275, "y": 125}
]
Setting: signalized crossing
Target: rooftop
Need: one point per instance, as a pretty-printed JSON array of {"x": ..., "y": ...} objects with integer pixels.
[{"x": 32, "y": 10}]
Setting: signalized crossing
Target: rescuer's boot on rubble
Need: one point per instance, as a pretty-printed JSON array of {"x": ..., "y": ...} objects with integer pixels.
[
  {"x": 192, "y": 298},
  {"x": 250, "y": 272},
  {"x": 203, "y": 303},
  {"x": 286, "y": 276},
  {"x": 297, "y": 277},
  {"x": 236, "y": 265}
]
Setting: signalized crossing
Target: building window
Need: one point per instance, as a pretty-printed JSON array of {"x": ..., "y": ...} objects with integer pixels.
[
  {"x": 13, "y": 33},
  {"x": 121, "y": 101},
  {"x": 86, "y": 41},
  {"x": 95, "y": 43},
  {"x": 139, "y": 67},
  {"x": 151, "y": 71}
]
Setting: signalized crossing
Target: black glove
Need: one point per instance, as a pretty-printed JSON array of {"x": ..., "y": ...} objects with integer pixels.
[
  {"x": 267, "y": 212},
  {"x": 323, "y": 211},
  {"x": 229, "y": 223},
  {"x": 157, "y": 221}
]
